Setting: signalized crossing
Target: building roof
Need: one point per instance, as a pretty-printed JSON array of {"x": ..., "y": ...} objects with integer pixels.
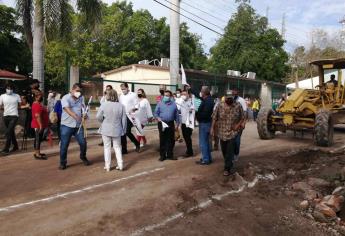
[
  {"x": 336, "y": 63},
  {"x": 123, "y": 68},
  {"x": 8, "y": 75},
  {"x": 189, "y": 71}
]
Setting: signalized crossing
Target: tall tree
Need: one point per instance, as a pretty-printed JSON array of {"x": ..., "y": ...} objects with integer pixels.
[
  {"x": 123, "y": 37},
  {"x": 249, "y": 44},
  {"x": 43, "y": 18},
  {"x": 13, "y": 49}
]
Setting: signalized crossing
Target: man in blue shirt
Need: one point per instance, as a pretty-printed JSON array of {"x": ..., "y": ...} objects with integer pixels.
[
  {"x": 71, "y": 118},
  {"x": 166, "y": 113}
]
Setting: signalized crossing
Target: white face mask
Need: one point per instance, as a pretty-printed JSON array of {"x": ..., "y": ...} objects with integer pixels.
[
  {"x": 51, "y": 95},
  {"x": 124, "y": 91},
  {"x": 200, "y": 94},
  {"x": 178, "y": 95},
  {"x": 9, "y": 91},
  {"x": 77, "y": 94},
  {"x": 184, "y": 97}
]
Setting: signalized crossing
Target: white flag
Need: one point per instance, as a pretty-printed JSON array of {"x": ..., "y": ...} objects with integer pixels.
[
  {"x": 184, "y": 78},
  {"x": 164, "y": 125}
]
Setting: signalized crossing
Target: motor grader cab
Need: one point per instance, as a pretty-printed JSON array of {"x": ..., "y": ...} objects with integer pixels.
[{"x": 317, "y": 109}]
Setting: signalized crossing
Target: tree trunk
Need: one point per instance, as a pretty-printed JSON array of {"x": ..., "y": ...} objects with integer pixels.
[{"x": 38, "y": 44}]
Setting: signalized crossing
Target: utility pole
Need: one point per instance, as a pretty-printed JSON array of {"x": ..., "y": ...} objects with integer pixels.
[
  {"x": 342, "y": 22},
  {"x": 267, "y": 14},
  {"x": 175, "y": 42},
  {"x": 283, "y": 30}
]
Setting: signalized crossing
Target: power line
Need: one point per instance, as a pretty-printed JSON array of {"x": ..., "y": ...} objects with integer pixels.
[
  {"x": 215, "y": 17},
  {"x": 219, "y": 8},
  {"x": 195, "y": 15},
  {"x": 206, "y": 27}
]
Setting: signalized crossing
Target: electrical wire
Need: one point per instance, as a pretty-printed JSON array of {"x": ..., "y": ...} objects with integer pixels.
[
  {"x": 206, "y": 27},
  {"x": 194, "y": 15},
  {"x": 198, "y": 9}
]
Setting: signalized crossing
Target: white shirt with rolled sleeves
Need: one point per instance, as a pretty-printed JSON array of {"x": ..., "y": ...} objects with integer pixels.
[
  {"x": 129, "y": 101},
  {"x": 187, "y": 113},
  {"x": 10, "y": 103},
  {"x": 144, "y": 112}
]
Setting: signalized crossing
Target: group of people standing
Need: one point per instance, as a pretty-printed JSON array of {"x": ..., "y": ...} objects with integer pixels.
[{"x": 119, "y": 114}]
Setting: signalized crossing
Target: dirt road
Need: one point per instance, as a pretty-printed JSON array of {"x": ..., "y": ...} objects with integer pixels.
[{"x": 160, "y": 198}]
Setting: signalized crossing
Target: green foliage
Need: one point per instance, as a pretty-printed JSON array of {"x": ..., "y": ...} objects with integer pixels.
[
  {"x": 13, "y": 49},
  {"x": 123, "y": 37},
  {"x": 249, "y": 44}
]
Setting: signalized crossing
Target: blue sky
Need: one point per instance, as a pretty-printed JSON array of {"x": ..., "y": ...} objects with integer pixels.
[{"x": 302, "y": 16}]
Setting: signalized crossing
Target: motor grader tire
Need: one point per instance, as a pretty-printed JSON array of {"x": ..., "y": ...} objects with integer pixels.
[
  {"x": 264, "y": 127},
  {"x": 323, "y": 129}
]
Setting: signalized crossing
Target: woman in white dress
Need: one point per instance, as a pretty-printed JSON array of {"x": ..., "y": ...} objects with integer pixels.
[
  {"x": 113, "y": 117},
  {"x": 143, "y": 113}
]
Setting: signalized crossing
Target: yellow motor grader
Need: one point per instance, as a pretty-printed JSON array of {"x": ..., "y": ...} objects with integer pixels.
[{"x": 316, "y": 109}]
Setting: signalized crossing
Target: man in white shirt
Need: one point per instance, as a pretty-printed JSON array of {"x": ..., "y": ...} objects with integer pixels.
[
  {"x": 243, "y": 103},
  {"x": 10, "y": 103},
  {"x": 187, "y": 121},
  {"x": 129, "y": 100}
]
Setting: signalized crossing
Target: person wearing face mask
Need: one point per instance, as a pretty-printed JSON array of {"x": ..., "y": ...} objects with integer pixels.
[
  {"x": 187, "y": 121},
  {"x": 229, "y": 117},
  {"x": 10, "y": 102},
  {"x": 204, "y": 117},
  {"x": 162, "y": 89},
  {"x": 51, "y": 100},
  {"x": 178, "y": 101},
  {"x": 103, "y": 99},
  {"x": 71, "y": 118},
  {"x": 243, "y": 103},
  {"x": 166, "y": 111},
  {"x": 144, "y": 114},
  {"x": 39, "y": 123},
  {"x": 129, "y": 100}
]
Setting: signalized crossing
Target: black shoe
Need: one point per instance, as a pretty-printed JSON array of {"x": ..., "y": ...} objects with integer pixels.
[
  {"x": 62, "y": 167},
  {"x": 172, "y": 158},
  {"x": 202, "y": 163},
  {"x": 124, "y": 152},
  {"x": 86, "y": 162},
  {"x": 137, "y": 149},
  {"x": 100, "y": 144},
  {"x": 187, "y": 155},
  {"x": 5, "y": 152},
  {"x": 232, "y": 171},
  {"x": 162, "y": 159},
  {"x": 14, "y": 149}
]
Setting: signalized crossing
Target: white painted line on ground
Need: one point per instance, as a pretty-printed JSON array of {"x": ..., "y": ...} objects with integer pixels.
[
  {"x": 64, "y": 195},
  {"x": 204, "y": 204}
]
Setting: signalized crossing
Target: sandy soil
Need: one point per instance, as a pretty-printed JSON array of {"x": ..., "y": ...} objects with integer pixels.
[{"x": 165, "y": 198}]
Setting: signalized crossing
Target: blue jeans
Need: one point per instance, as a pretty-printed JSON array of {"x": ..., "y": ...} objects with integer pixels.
[
  {"x": 204, "y": 141},
  {"x": 238, "y": 143},
  {"x": 66, "y": 134}
]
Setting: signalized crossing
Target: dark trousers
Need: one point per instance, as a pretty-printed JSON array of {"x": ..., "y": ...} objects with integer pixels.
[
  {"x": 130, "y": 136},
  {"x": 238, "y": 143},
  {"x": 38, "y": 139},
  {"x": 228, "y": 148},
  {"x": 187, "y": 136},
  {"x": 10, "y": 124},
  {"x": 166, "y": 140}
]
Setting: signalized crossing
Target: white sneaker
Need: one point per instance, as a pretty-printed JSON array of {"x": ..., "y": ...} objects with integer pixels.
[
  {"x": 119, "y": 168},
  {"x": 142, "y": 145}
]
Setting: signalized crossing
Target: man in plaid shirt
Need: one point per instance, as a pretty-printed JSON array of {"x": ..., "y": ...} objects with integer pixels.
[{"x": 229, "y": 117}]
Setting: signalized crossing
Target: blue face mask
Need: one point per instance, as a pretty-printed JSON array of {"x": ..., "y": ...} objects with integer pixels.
[{"x": 166, "y": 99}]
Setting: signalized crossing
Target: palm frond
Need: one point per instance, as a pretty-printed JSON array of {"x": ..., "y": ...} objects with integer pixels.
[
  {"x": 25, "y": 12},
  {"x": 58, "y": 18},
  {"x": 91, "y": 11}
]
